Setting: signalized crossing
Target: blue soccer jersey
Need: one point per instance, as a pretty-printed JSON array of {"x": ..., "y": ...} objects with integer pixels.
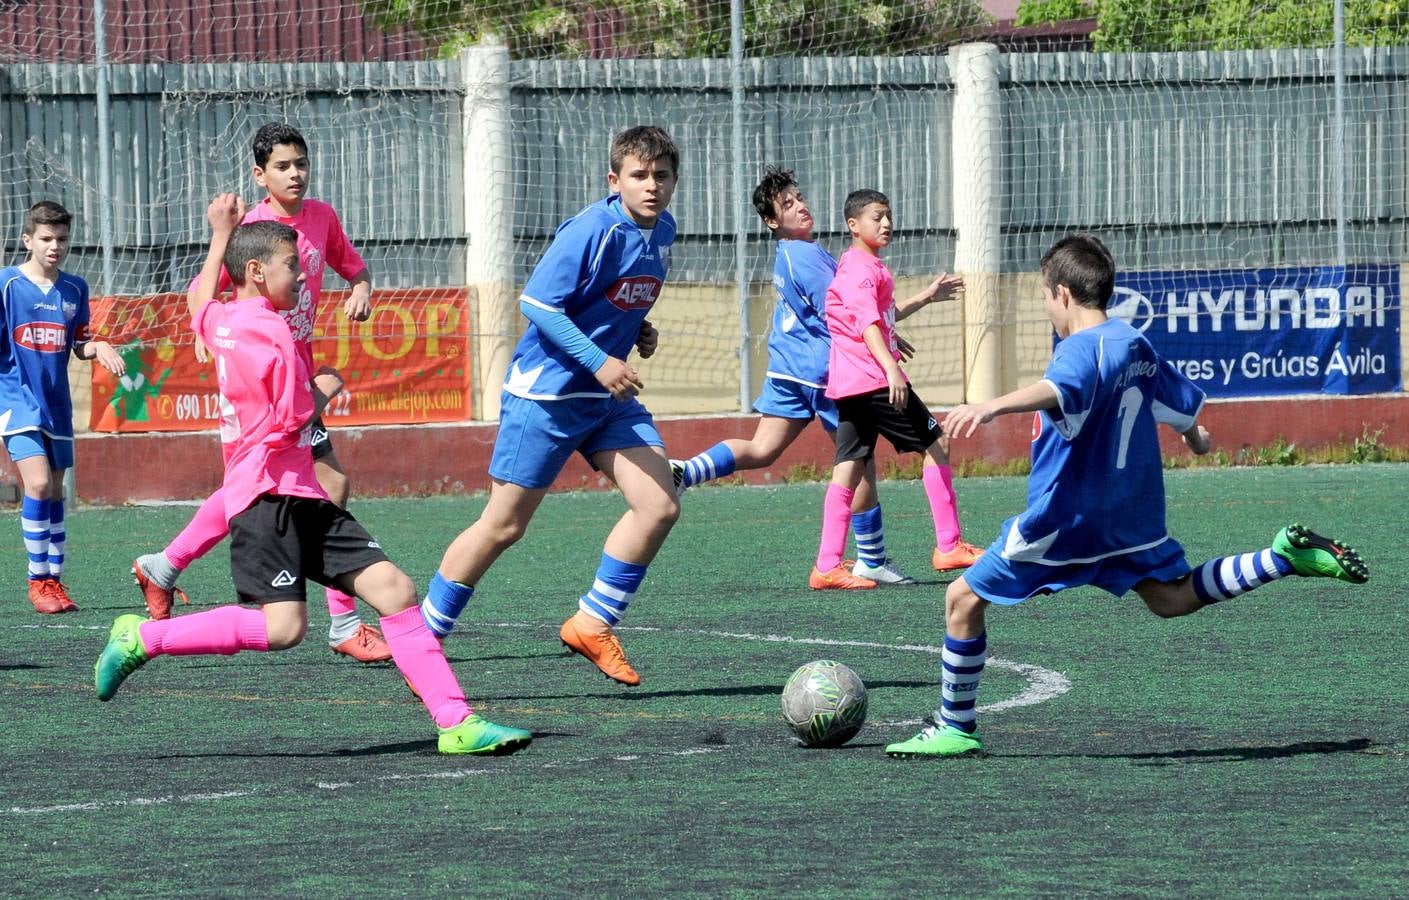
[
  {"x": 604, "y": 272},
  {"x": 41, "y": 326},
  {"x": 799, "y": 344},
  {"x": 1097, "y": 482}
]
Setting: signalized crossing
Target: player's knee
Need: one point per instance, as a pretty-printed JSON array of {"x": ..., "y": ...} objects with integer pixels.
[
  {"x": 285, "y": 632},
  {"x": 662, "y": 510},
  {"x": 963, "y": 609},
  {"x": 400, "y": 592},
  {"x": 40, "y": 487}
]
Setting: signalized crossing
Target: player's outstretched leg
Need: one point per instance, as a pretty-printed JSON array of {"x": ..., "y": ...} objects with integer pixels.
[
  {"x": 123, "y": 655},
  {"x": 957, "y": 731},
  {"x": 417, "y": 653},
  {"x": 156, "y": 578},
  {"x": 1312, "y": 555}
]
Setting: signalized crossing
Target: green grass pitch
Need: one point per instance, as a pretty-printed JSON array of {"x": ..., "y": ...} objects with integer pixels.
[{"x": 1259, "y": 748}]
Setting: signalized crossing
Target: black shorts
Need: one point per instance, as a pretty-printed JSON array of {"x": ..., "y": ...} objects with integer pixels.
[
  {"x": 281, "y": 543},
  {"x": 319, "y": 441},
  {"x": 861, "y": 419}
]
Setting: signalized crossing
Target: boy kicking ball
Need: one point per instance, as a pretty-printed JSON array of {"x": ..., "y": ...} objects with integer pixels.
[
  {"x": 1096, "y": 493},
  {"x": 284, "y": 531}
]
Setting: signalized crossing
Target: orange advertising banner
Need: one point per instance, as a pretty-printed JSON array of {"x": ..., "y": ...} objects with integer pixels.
[{"x": 408, "y": 363}]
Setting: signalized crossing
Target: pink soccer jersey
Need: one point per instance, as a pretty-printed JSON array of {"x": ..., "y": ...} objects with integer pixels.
[
  {"x": 321, "y": 243},
  {"x": 266, "y": 401},
  {"x": 862, "y": 294}
]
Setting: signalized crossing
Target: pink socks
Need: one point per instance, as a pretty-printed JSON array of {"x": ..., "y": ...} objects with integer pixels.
[
  {"x": 836, "y": 518},
  {"x": 206, "y": 529},
  {"x": 340, "y": 604},
  {"x": 223, "y": 630},
  {"x": 939, "y": 488},
  {"x": 418, "y": 655}
]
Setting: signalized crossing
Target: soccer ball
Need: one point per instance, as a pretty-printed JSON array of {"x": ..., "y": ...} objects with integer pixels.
[{"x": 824, "y": 703}]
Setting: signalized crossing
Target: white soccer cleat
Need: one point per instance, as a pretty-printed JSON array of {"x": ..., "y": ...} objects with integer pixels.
[{"x": 886, "y": 573}]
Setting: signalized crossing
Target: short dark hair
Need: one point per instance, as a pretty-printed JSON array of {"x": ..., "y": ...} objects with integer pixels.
[
  {"x": 255, "y": 240},
  {"x": 1084, "y": 265},
  {"x": 859, "y": 200},
  {"x": 645, "y": 142},
  {"x": 776, "y": 182},
  {"x": 46, "y": 212},
  {"x": 272, "y": 135}
]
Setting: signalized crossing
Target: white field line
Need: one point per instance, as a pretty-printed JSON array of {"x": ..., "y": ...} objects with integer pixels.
[{"x": 1042, "y": 685}]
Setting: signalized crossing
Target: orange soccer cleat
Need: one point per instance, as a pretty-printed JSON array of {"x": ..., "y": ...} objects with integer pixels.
[
  {"x": 366, "y": 646},
  {"x": 962, "y": 556},
  {"x": 838, "y": 579},
  {"x": 601, "y": 649},
  {"x": 60, "y": 591},
  {"x": 43, "y": 597},
  {"x": 158, "y": 599}
]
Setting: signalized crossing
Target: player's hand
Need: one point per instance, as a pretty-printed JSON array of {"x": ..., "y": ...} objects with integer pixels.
[
  {"x": 647, "y": 340},
  {"x": 225, "y": 213},
  {"x": 899, "y": 389},
  {"x": 1197, "y": 440},
  {"x": 946, "y": 287},
  {"x": 358, "y": 306},
  {"x": 202, "y": 351},
  {"x": 328, "y": 381},
  {"x": 965, "y": 418},
  {"x": 907, "y": 349},
  {"x": 109, "y": 358},
  {"x": 620, "y": 379}
]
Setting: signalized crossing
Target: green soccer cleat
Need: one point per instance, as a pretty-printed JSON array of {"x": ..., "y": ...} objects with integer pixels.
[
  {"x": 1313, "y": 555},
  {"x": 942, "y": 741},
  {"x": 122, "y": 656},
  {"x": 477, "y": 735}
]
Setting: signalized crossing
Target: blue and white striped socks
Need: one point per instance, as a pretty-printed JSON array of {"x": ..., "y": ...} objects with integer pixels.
[
  {"x": 616, "y": 583},
  {"x": 963, "y": 667},
  {"x": 716, "y": 462},
  {"x": 870, "y": 536},
  {"x": 1232, "y": 576},
  {"x": 445, "y": 600},
  {"x": 57, "y": 536},
  {"x": 34, "y": 524}
]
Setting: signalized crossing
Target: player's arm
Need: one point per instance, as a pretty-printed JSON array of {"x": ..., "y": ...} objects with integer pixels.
[
  {"x": 347, "y": 262},
  {"x": 945, "y": 287},
  {"x": 572, "y": 266},
  {"x": 647, "y": 340},
  {"x": 327, "y": 384},
  {"x": 895, "y": 379},
  {"x": 102, "y": 351},
  {"x": 225, "y": 213},
  {"x": 964, "y": 419},
  {"x": 358, "y": 305}
]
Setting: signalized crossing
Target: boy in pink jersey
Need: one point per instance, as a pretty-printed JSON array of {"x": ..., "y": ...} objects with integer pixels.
[
  {"x": 873, "y": 395},
  {"x": 281, "y": 168},
  {"x": 283, "y": 528}
]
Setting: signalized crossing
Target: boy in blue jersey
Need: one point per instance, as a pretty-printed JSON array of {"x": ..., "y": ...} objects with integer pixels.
[
  {"x": 569, "y": 389},
  {"x": 794, "y": 388},
  {"x": 46, "y": 316},
  {"x": 1095, "y": 499}
]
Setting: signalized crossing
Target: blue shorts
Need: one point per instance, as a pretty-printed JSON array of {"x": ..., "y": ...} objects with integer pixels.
[
  {"x": 1009, "y": 582},
  {"x": 35, "y": 443},
  {"x": 795, "y": 400},
  {"x": 536, "y": 438}
]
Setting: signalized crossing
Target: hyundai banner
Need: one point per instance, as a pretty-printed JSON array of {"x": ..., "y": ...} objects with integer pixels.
[{"x": 1258, "y": 332}]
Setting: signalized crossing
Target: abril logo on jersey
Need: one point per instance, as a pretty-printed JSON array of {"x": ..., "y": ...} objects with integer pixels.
[
  {"x": 636, "y": 292},
  {"x": 42, "y": 337}
]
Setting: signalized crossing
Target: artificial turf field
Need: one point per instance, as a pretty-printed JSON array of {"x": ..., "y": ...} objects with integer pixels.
[{"x": 1259, "y": 748}]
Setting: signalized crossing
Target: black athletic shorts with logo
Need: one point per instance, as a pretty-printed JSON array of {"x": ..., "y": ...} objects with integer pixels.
[
  {"x": 864, "y": 417},
  {"x": 319, "y": 441},
  {"x": 280, "y": 544}
]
